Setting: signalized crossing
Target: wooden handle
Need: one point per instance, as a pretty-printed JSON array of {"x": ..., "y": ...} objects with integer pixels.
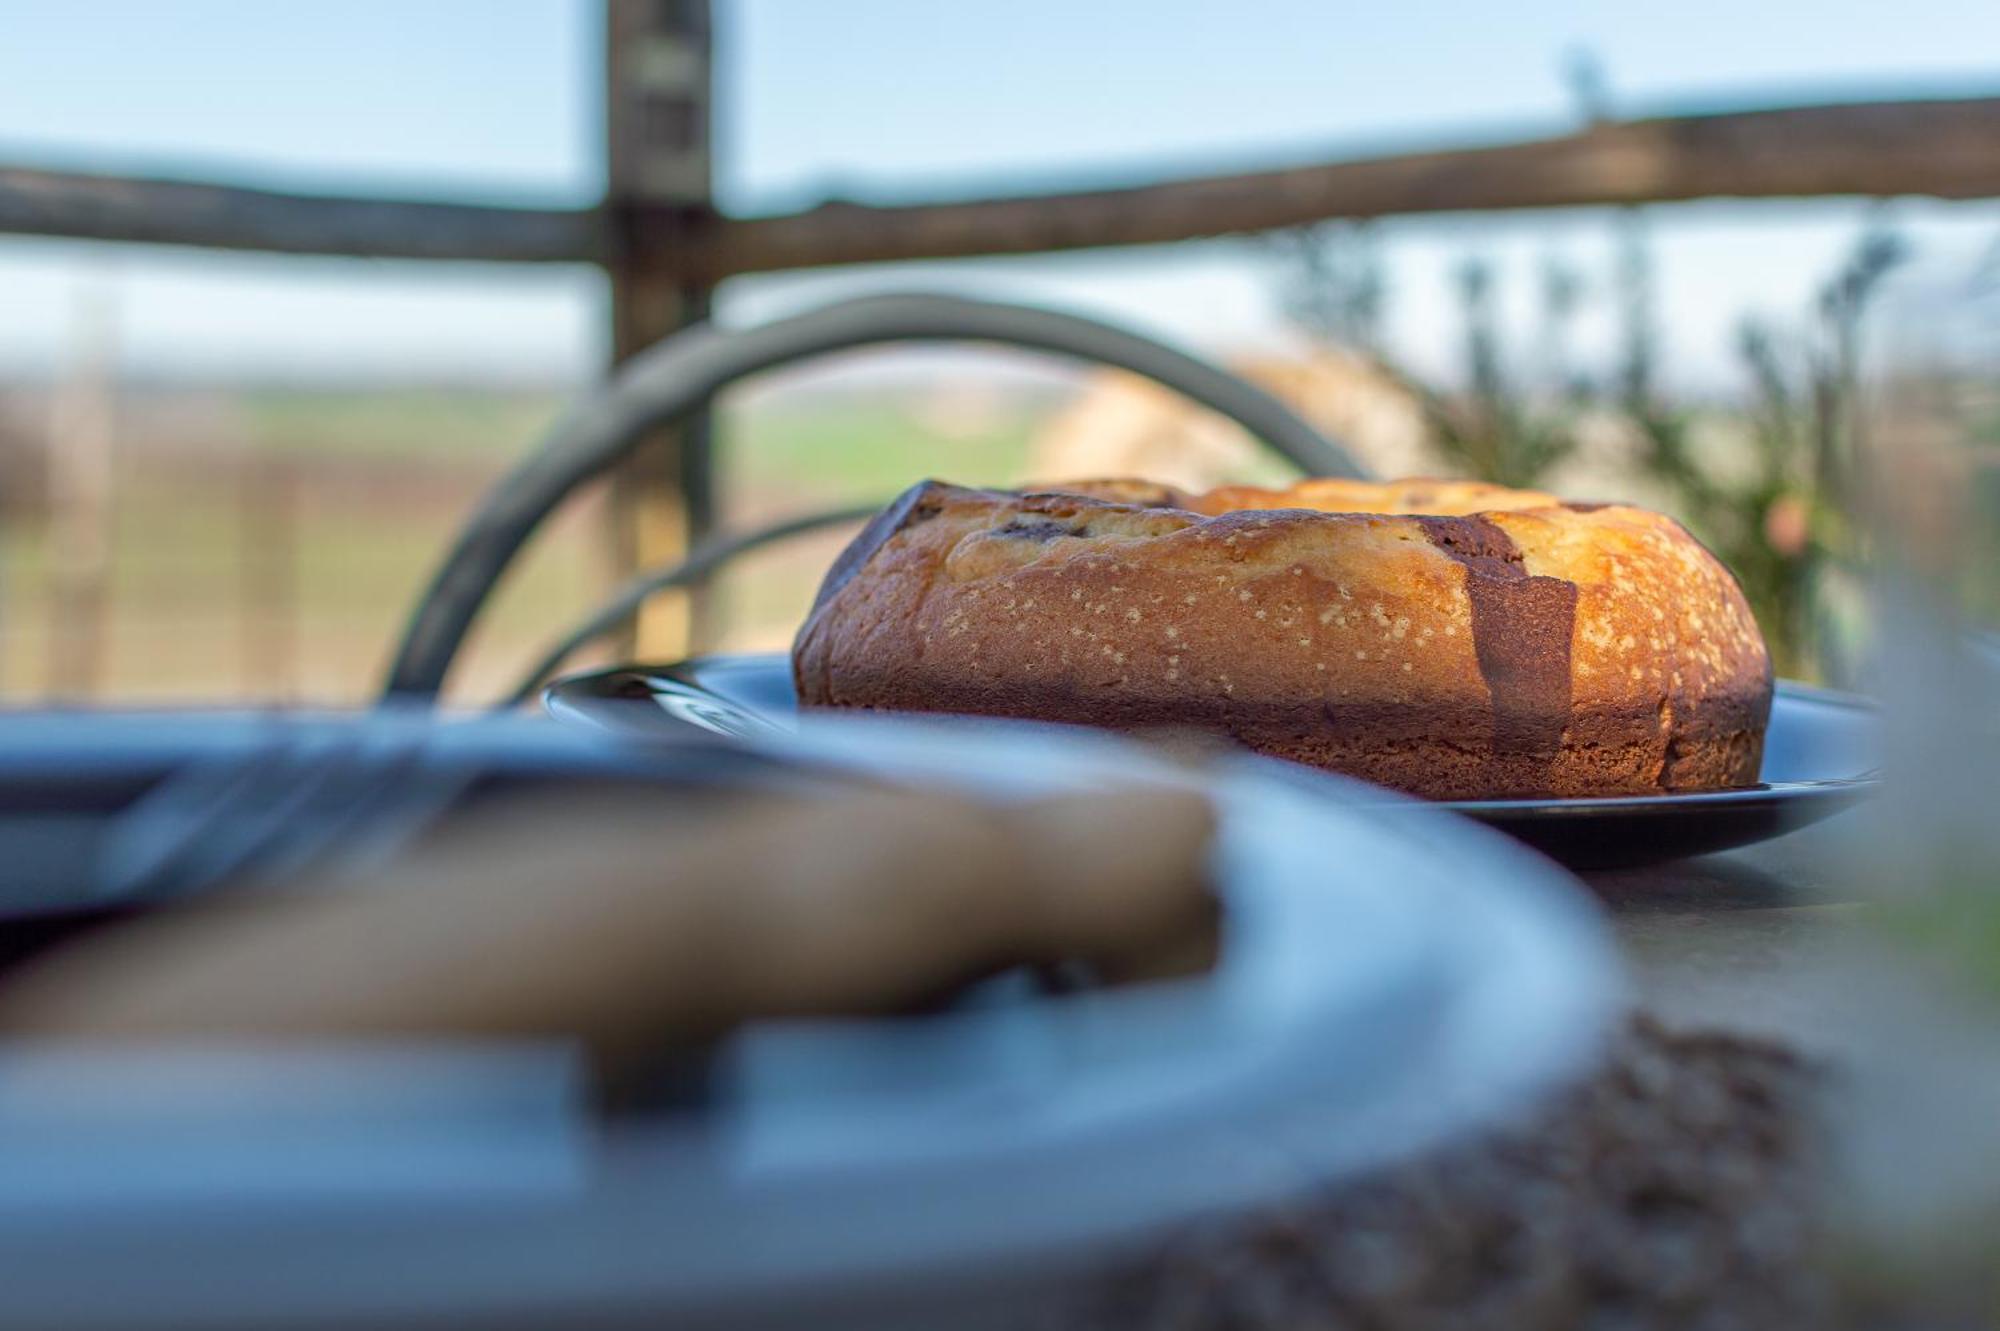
[{"x": 631, "y": 926}]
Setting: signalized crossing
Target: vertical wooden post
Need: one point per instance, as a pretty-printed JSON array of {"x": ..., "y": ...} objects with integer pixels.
[
  {"x": 658, "y": 136},
  {"x": 267, "y": 577},
  {"x": 81, "y": 474}
]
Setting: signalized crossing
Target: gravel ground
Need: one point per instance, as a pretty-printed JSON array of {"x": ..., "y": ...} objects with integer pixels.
[{"x": 1674, "y": 1190}]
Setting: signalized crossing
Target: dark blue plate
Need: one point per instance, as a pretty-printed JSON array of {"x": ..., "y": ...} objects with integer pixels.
[
  {"x": 79, "y": 790},
  {"x": 1819, "y": 758}
]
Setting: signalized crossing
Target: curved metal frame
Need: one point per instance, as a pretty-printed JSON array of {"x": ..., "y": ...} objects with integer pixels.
[
  {"x": 697, "y": 568},
  {"x": 676, "y": 376}
]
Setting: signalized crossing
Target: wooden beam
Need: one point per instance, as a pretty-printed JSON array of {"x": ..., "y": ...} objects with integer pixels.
[
  {"x": 658, "y": 135},
  {"x": 1943, "y": 149},
  {"x": 229, "y": 217},
  {"x": 1948, "y": 149}
]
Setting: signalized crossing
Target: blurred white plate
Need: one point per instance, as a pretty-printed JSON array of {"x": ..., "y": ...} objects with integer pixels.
[{"x": 1387, "y": 984}]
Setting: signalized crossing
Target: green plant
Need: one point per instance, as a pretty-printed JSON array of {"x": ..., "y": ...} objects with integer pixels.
[
  {"x": 1504, "y": 426},
  {"x": 1339, "y": 290},
  {"x": 1506, "y": 422},
  {"x": 1778, "y": 522}
]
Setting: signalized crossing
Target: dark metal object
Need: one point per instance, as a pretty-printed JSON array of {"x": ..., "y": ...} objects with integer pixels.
[
  {"x": 1818, "y": 761},
  {"x": 103, "y": 815},
  {"x": 696, "y": 569},
  {"x": 680, "y": 374},
  {"x": 279, "y": 810}
]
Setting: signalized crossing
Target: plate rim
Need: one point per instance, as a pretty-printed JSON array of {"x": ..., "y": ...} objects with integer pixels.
[{"x": 1838, "y": 789}]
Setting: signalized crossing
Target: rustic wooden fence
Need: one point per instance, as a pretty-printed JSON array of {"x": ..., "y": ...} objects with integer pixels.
[{"x": 665, "y": 247}]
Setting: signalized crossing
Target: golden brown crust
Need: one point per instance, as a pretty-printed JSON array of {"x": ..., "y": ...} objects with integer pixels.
[{"x": 1442, "y": 637}]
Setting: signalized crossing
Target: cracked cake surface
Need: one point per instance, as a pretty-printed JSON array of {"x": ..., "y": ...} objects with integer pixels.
[{"x": 1448, "y": 638}]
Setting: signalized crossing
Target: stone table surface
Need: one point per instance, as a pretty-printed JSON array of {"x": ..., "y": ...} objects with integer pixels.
[{"x": 1732, "y": 941}]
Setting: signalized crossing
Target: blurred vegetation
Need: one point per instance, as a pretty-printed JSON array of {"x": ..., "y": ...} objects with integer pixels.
[
  {"x": 865, "y": 447},
  {"x": 263, "y": 541},
  {"x": 1772, "y": 512},
  {"x": 1507, "y": 420},
  {"x": 396, "y": 422},
  {"x": 1784, "y": 527}
]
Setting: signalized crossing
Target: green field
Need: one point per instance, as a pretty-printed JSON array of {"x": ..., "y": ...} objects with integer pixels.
[{"x": 280, "y": 568}]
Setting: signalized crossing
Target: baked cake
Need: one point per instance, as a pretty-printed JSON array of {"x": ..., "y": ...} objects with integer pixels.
[{"x": 1449, "y": 638}]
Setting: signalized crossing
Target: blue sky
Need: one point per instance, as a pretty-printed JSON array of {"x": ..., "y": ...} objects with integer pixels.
[{"x": 892, "y": 99}]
